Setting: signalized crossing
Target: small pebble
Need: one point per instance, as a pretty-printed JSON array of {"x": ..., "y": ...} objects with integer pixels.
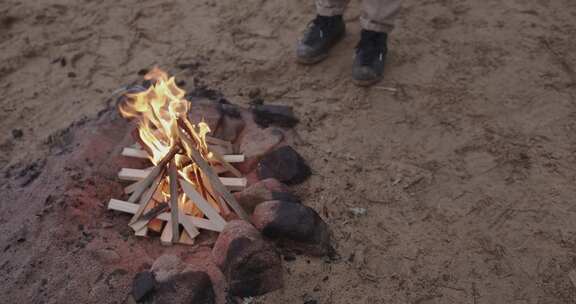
[
  {"x": 17, "y": 133},
  {"x": 357, "y": 211}
]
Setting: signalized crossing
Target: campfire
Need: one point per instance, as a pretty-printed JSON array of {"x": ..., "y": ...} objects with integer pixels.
[
  {"x": 183, "y": 186},
  {"x": 188, "y": 185}
]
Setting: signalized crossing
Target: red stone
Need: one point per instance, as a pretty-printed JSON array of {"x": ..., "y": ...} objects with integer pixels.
[
  {"x": 250, "y": 264},
  {"x": 265, "y": 190},
  {"x": 254, "y": 143}
]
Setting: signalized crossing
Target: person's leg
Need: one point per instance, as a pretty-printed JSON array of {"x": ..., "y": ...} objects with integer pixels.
[
  {"x": 331, "y": 7},
  {"x": 379, "y": 15},
  {"x": 377, "y": 21},
  {"x": 323, "y": 32}
]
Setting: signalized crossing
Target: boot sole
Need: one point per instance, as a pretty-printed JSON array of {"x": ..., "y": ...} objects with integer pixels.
[
  {"x": 366, "y": 83},
  {"x": 321, "y": 57},
  {"x": 313, "y": 60}
]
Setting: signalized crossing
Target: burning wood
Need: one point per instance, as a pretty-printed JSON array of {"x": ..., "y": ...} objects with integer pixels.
[{"x": 182, "y": 187}]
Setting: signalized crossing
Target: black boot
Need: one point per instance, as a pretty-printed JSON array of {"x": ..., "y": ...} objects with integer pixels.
[
  {"x": 322, "y": 34},
  {"x": 370, "y": 58}
]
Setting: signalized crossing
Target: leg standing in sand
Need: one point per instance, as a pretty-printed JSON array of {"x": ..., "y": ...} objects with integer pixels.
[{"x": 328, "y": 28}]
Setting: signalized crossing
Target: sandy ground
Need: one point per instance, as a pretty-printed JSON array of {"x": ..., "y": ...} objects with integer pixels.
[{"x": 466, "y": 166}]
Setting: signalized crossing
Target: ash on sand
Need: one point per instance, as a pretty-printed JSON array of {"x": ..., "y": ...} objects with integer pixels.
[{"x": 465, "y": 169}]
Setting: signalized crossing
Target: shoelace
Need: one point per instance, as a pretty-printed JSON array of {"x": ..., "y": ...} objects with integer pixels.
[{"x": 370, "y": 47}]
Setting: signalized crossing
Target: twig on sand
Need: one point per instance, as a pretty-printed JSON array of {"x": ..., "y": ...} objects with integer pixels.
[{"x": 389, "y": 89}]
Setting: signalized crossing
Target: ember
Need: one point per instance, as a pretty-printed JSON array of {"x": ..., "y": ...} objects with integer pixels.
[{"x": 182, "y": 188}]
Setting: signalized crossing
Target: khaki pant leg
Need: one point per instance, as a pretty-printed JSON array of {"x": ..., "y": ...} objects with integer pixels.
[
  {"x": 378, "y": 15},
  {"x": 331, "y": 7}
]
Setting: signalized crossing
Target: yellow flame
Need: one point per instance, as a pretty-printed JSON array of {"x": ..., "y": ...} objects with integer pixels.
[{"x": 158, "y": 111}]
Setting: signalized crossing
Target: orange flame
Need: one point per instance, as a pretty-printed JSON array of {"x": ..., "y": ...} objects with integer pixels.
[{"x": 157, "y": 111}]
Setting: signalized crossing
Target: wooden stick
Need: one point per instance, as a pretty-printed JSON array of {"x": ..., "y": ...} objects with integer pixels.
[
  {"x": 173, "y": 176},
  {"x": 226, "y": 164},
  {"x": 206, "y": 169},
  {"x": 153, "y": 212},
  {"x": 220, "y": 142},
  {"x": 216, "y": 198},
  {"x": 153, "y": 174},
  {"x": 136, "y": 153},
  {"x": 230, "y": 158},
  {"x": 131, "y": 208},
  {"x": 201, "y": 203},
  {"x": 142, "y": 232},
  {"x": 234, "y": 158},
  {"x": 186, "y": 239},
  {"x": 130, "y": 188},
  {"x": 168, "y": 233},
  {"x": 188, "y": 224},
  {"x": 233, "y": 183},
  {"x": 130, "y": 174},
  {"x": 145, "y": 199}
]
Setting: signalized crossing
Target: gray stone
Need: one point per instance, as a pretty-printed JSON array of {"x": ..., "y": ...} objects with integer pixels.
[
  {"x": 284, "y": 164},
  {"x": 279, "y": 115},
  {"x": 143, "y": 285},
  {"x": 293, "y": 225}
]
